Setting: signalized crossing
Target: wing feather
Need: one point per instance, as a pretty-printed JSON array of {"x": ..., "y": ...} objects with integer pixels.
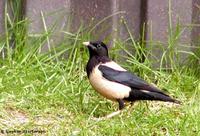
[{"x": 127, "y": 78}]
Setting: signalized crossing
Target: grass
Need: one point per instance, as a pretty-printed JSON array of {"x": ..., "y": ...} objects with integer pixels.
[
  {"x": 45, "y": 91},
  {"x": 55, "y": 96}
]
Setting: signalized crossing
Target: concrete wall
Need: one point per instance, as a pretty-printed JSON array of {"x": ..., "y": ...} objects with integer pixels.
[
  {"x": 69, "y": 15},
  {"x": 158, "y": 28},
  {"x": 132, "y": 17},
  {"x": 90, "y": 12},
  {"x": 196, "y": 23},
  {"x": 1, "y": 17},
  {"x": 49, "y": 15}
]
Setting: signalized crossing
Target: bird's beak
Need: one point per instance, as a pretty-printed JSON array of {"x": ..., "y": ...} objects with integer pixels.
[
  {"x": 89, "y": 45},
  {"x": 86, "y": 43}
]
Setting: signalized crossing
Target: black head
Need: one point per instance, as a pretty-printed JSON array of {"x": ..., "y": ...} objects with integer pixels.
[{"x": 97, "y": 48}]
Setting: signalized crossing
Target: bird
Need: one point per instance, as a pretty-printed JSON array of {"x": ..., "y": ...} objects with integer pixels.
[{"x": 116, "y": 83}]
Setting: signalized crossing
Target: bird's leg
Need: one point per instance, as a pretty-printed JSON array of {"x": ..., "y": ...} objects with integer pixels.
[{"x": 121, "y": 106}]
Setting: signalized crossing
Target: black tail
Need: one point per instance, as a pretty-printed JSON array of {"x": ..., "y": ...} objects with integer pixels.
[{"x": 149, "y": 95}]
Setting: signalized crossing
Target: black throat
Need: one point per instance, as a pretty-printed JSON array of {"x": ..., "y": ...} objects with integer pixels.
[{"x": 94, "y": 61}]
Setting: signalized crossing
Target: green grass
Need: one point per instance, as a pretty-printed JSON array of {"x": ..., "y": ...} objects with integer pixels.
[
  {"x": 54, "y": 95},
  {"x": 46, "y": 91}
]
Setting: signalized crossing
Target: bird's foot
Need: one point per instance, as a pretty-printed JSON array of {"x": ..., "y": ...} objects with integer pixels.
[{"x": 107, "y": 116}]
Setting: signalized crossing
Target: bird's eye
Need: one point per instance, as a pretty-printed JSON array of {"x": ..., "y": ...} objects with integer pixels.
[{"x": 98, "y": 46}]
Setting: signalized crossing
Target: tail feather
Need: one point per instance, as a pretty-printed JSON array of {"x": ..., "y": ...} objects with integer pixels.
[{"x": 149, "y": 95}]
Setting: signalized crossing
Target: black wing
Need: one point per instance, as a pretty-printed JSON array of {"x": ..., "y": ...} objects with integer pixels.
[{"x": 127, "y": 78}]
